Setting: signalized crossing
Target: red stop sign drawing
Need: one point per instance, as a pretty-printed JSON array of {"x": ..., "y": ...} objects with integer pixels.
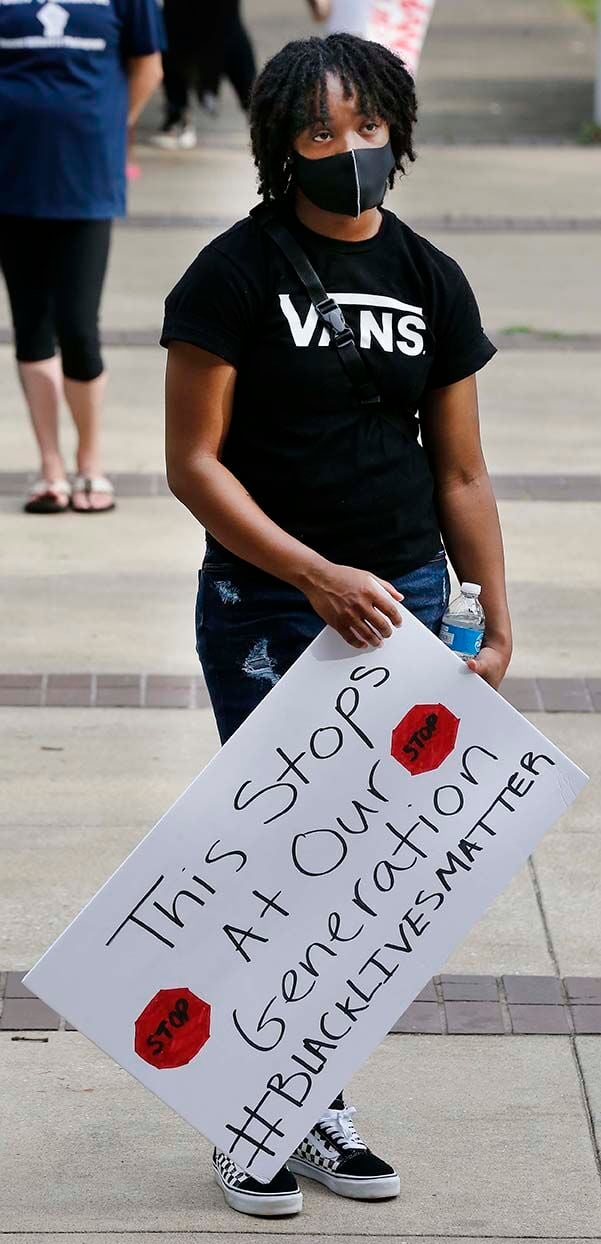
[
  {"x": 424, "y": 738},
  {"x": 172, "y": 1028}
]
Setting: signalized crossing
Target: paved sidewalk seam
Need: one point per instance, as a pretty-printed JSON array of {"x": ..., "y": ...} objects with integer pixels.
[
  {"x": 588, "y": 1110},
  {"x": 151, "y": 690},
  {"x": 299, "y": 1235},
  {"x": 550, "y": 486},
  {"x": 543, "y": 915},
  {"x": 136, "y": 338},
  {"x": 584, "y": 1095},
  {"x": 452, "y": 222}
]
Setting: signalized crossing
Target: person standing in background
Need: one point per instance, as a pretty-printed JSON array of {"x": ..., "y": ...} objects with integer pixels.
[
  {"x": 204, "y": 44},
  {"x": 181, "y": 70},
  {"x": 72, "y": 81}
]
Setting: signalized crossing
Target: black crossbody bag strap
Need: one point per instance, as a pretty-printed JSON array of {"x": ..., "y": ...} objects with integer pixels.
[{"x": 327, "y": 309}]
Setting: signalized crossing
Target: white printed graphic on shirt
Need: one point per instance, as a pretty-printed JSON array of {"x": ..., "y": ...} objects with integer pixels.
[
  {"x": 53, "y": 17},
  {"x": 389, "y": 330}
]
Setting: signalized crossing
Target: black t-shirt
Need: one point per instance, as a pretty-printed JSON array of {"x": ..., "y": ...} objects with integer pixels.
[{"x": 350, "y": 481}]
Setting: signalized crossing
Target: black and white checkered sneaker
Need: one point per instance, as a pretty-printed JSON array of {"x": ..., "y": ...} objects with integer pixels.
[
  {"x": 272, "y": 1200},
  {"x": 334, "y": 1154}
]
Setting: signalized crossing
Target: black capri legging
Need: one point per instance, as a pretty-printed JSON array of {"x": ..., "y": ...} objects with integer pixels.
[{"x": 54, "y": 271}]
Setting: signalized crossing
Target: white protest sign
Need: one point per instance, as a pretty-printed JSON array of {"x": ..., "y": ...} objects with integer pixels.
[
  {"x": 261, "y": 940},
  {"x": 400, "y": 25}
]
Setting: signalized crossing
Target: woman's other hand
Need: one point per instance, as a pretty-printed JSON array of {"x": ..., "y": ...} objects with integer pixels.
[
  {"x": 491, "y": 664},
  {"x": 357, "y": 604}
]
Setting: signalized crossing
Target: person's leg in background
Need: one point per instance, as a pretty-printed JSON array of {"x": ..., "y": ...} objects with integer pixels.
[
  {"x": 208, "y": 41},
  {"x": 25, "y": 258},
  {"x": 80, "y": 259},
  {"x": 175, "y": 85},
  {"x": 239, "y": 58},
  {"x": 224, "y": 49},
  {"x": 177, "y": 132}
]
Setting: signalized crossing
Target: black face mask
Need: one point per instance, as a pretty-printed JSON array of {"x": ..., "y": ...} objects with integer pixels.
[{"x": 347, "y": 184}]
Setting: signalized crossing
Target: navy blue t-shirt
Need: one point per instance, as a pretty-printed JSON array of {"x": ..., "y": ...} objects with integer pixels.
[{"x": 63, "y": 103}]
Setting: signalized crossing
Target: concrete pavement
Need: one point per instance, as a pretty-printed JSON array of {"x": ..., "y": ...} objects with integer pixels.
[
  {"x": 505, "y": 1156},
  {"x": 523, "y": 290},
  {"x": 496, "y": 1137},
  {"x": 534, "y": 397}
]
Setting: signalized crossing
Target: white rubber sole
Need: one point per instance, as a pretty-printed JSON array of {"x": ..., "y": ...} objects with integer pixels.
[
  {"x": 375, "y": 1189},
  {"x": 262, "y": 1207},
  {"x": 164, "y": 143}
]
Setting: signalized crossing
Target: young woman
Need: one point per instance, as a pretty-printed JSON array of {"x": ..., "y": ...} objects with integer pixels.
[
  {"x": 73, "y": 77},
  {"x": 319, "y": 509}
]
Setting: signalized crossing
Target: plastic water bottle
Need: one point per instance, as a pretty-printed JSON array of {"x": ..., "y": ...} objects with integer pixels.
[{"x": 462, "y": 628}]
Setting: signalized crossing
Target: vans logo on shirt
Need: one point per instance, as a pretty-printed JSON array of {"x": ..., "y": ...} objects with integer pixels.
[{"x": 390, "y": 325}]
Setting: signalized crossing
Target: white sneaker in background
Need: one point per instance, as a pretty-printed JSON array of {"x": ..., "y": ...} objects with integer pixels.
[{"x": 179, "y": 137}]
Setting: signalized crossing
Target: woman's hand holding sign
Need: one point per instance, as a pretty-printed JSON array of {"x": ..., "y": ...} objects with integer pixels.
[
  {"x": 491, "y": 664},
  {"x": 359, "y": 605}
]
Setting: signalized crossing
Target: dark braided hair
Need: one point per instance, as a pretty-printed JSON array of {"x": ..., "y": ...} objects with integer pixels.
[{"x": 291, "y": 94}]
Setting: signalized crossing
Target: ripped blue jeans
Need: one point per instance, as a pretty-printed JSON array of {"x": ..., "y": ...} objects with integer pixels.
[{"x": 251, "y": 627}]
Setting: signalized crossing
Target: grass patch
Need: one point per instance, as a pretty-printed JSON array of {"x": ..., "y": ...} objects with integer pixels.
[
  {"x": 589, "y": 133},
  {"x": 588, "y": 8},
  {"x": 524, "y": 330}
]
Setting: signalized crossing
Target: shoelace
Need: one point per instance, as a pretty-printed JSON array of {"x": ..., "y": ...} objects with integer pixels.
[{"x": 338, "y": 1124}]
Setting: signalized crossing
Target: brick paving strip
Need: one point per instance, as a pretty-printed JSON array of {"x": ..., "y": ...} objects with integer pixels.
[
  {"x": 89, "y": 690},
  {"x": 507, "y": 487},
  {"x": 448, "y": 1006},
  {"x": 448, "y": 222},
  {"x": 133, "y": 338}
]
